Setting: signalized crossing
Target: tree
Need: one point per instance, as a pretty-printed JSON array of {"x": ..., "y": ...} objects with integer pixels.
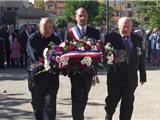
[
  {"x": 149, "y": 11},
  {"x": 39, "y": 4},
  {"x": 96, "y": 10},
  {"x": 101, "y": 16},
  {"x": 60, "y": 22}
]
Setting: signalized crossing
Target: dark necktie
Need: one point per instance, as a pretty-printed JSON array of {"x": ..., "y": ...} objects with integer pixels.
[
  {"x": 83, "y": 31},
  {"x": 126, "y": 43},
  {"x": 128, "y": 50}
]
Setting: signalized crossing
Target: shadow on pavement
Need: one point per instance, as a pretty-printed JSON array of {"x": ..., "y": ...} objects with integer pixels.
[
  {"x": 13, "y": 74},
  {"x": 9, "y": 109},
  {"x": 95, "y": 104},
  {"x": 152, "y": 68}
]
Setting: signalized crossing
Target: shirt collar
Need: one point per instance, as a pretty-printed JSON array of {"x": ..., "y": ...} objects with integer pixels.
[
  {"x": 124, "y": 35},
  {"x": 80, "y": 27}
]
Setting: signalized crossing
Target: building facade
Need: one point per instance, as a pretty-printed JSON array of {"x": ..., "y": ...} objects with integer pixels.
[
  {"x": 56, "y": 7},
  {"x": 122, "y": 8},
  {"x": 9, "y": 9}
]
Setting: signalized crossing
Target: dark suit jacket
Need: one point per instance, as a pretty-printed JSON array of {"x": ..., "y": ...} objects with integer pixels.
[
  {"x": 116, "y": 72},
  {"x": 90, "y": 33}
]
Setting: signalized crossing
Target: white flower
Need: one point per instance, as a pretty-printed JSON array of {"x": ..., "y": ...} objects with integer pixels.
[
  {"x": 45, "y": 53},
  {"x": 108, "y": 46},
  {"x": 81, "y": 48},
  {"x": 88, "y": 42},
  {"x": 138, "y": 51},
  {"x": 110, "y": 59},
  {"x": 46, "y": 62},
  {"x": 64, "y": 61},
  {"x": 57, "y": 58},
  {"x": 63, "y": 44},
  {"x": 74, "y": 43},
  {"x": 87, "y": 61},
  {"x": 94, "y": 47}
]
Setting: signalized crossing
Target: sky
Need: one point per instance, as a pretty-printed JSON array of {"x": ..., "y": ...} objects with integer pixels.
[{"x": 31, "y": 1}]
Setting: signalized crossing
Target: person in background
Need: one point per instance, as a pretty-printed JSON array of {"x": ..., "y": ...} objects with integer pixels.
[
  {"x": 2, "y": 51},
  {"x": 60, "y": 33},
  {"x": 81, "y": 82},
  {"x": 154, "y": 41},
  {"x": 44, "y": 86},
  {"x": 103, "y": 33},
  {"x": 122, "y": 77},
  {"x": 142, "y": 34},
  {"x": 15, "y": 52},
  {"x": 23, "y": 38},
  {"x": 10, "y": 34}
]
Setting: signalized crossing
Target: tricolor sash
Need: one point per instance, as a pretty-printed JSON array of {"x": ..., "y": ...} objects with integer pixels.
[
  {"x": 75, "y": 33},
  {"x": 75, "y": 54}
]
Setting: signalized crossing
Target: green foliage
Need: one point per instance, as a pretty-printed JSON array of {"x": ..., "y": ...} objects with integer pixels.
[
  {"x": 39, "y": 4},
  {"x": 101, "y": 17},
  {"x": 60, "y": 22},
  {"x": 135, "y": 23},
  {"x": 149, "y": 11},
  {"x": 96, "y": 10}
]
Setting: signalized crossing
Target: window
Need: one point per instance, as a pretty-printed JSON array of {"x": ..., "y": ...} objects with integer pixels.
[
  {"x": 130, "y": 14},
  {"x": 9, "y": 9},
  {"x": 51, "y": 6},
  {"x": 128, "y": 5},
  {"x": 16, "y": 8}
]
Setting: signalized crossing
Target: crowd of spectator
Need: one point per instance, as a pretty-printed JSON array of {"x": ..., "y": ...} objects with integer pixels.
[
  {"x": 13, "y": 42},
  {"x": 151, "y": 45},
  {"x": 13, "y": 45}
]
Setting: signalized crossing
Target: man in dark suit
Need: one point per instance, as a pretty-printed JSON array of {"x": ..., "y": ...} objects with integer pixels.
[
  {"x": 122, "y": 78},
  {"x": 44, "y": 86},
  {"x": 81, "y": 82},
  {"x": 23, "y": 38}
]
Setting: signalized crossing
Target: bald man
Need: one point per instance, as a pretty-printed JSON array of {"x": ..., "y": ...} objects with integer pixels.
[
  {"x": 122, "y": 78},
  {"x": 81, "y": 82},
  {"x": 43, "y": 87}
]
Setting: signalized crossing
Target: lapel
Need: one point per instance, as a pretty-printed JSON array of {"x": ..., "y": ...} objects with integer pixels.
[
  {"x": 87, "y": 30},
  {"x": 133, "y": 40}
]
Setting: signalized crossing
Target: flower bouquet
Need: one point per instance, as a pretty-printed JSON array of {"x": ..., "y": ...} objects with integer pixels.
[
  {"x": 82, "y": 53},
  {"x": 50, "y": 60},
  {"x": 112, "y": 55}
]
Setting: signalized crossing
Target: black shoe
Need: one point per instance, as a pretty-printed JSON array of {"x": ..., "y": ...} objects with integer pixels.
[{"x": 108, "y": 117}]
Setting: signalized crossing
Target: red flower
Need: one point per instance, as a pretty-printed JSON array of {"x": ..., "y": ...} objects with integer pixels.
[
  {"x": 87, "y": 47},
  {"x": 72, "y": 48},
  {"x": 41, "y": 60},
  {"x": 67, "y": 42},
  {"x": 59, "y": 49}
]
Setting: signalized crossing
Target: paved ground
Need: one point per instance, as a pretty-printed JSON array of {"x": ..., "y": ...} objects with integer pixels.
[{"x": 15, "y": 98}]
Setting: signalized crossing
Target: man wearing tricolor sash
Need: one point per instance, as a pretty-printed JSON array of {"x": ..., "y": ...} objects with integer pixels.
[{"x": 81, "y": 82}]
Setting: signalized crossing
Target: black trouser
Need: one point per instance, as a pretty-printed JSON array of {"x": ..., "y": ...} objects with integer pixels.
[
  {"x": 8, "y": 59},
  {"x": 80, "y": 86},
  {"x": 115, "y": 94},
  {"x": 44, "y": 96},
  {"x": 23, "y": 59},
  {"x": 1, "y": 60}
]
